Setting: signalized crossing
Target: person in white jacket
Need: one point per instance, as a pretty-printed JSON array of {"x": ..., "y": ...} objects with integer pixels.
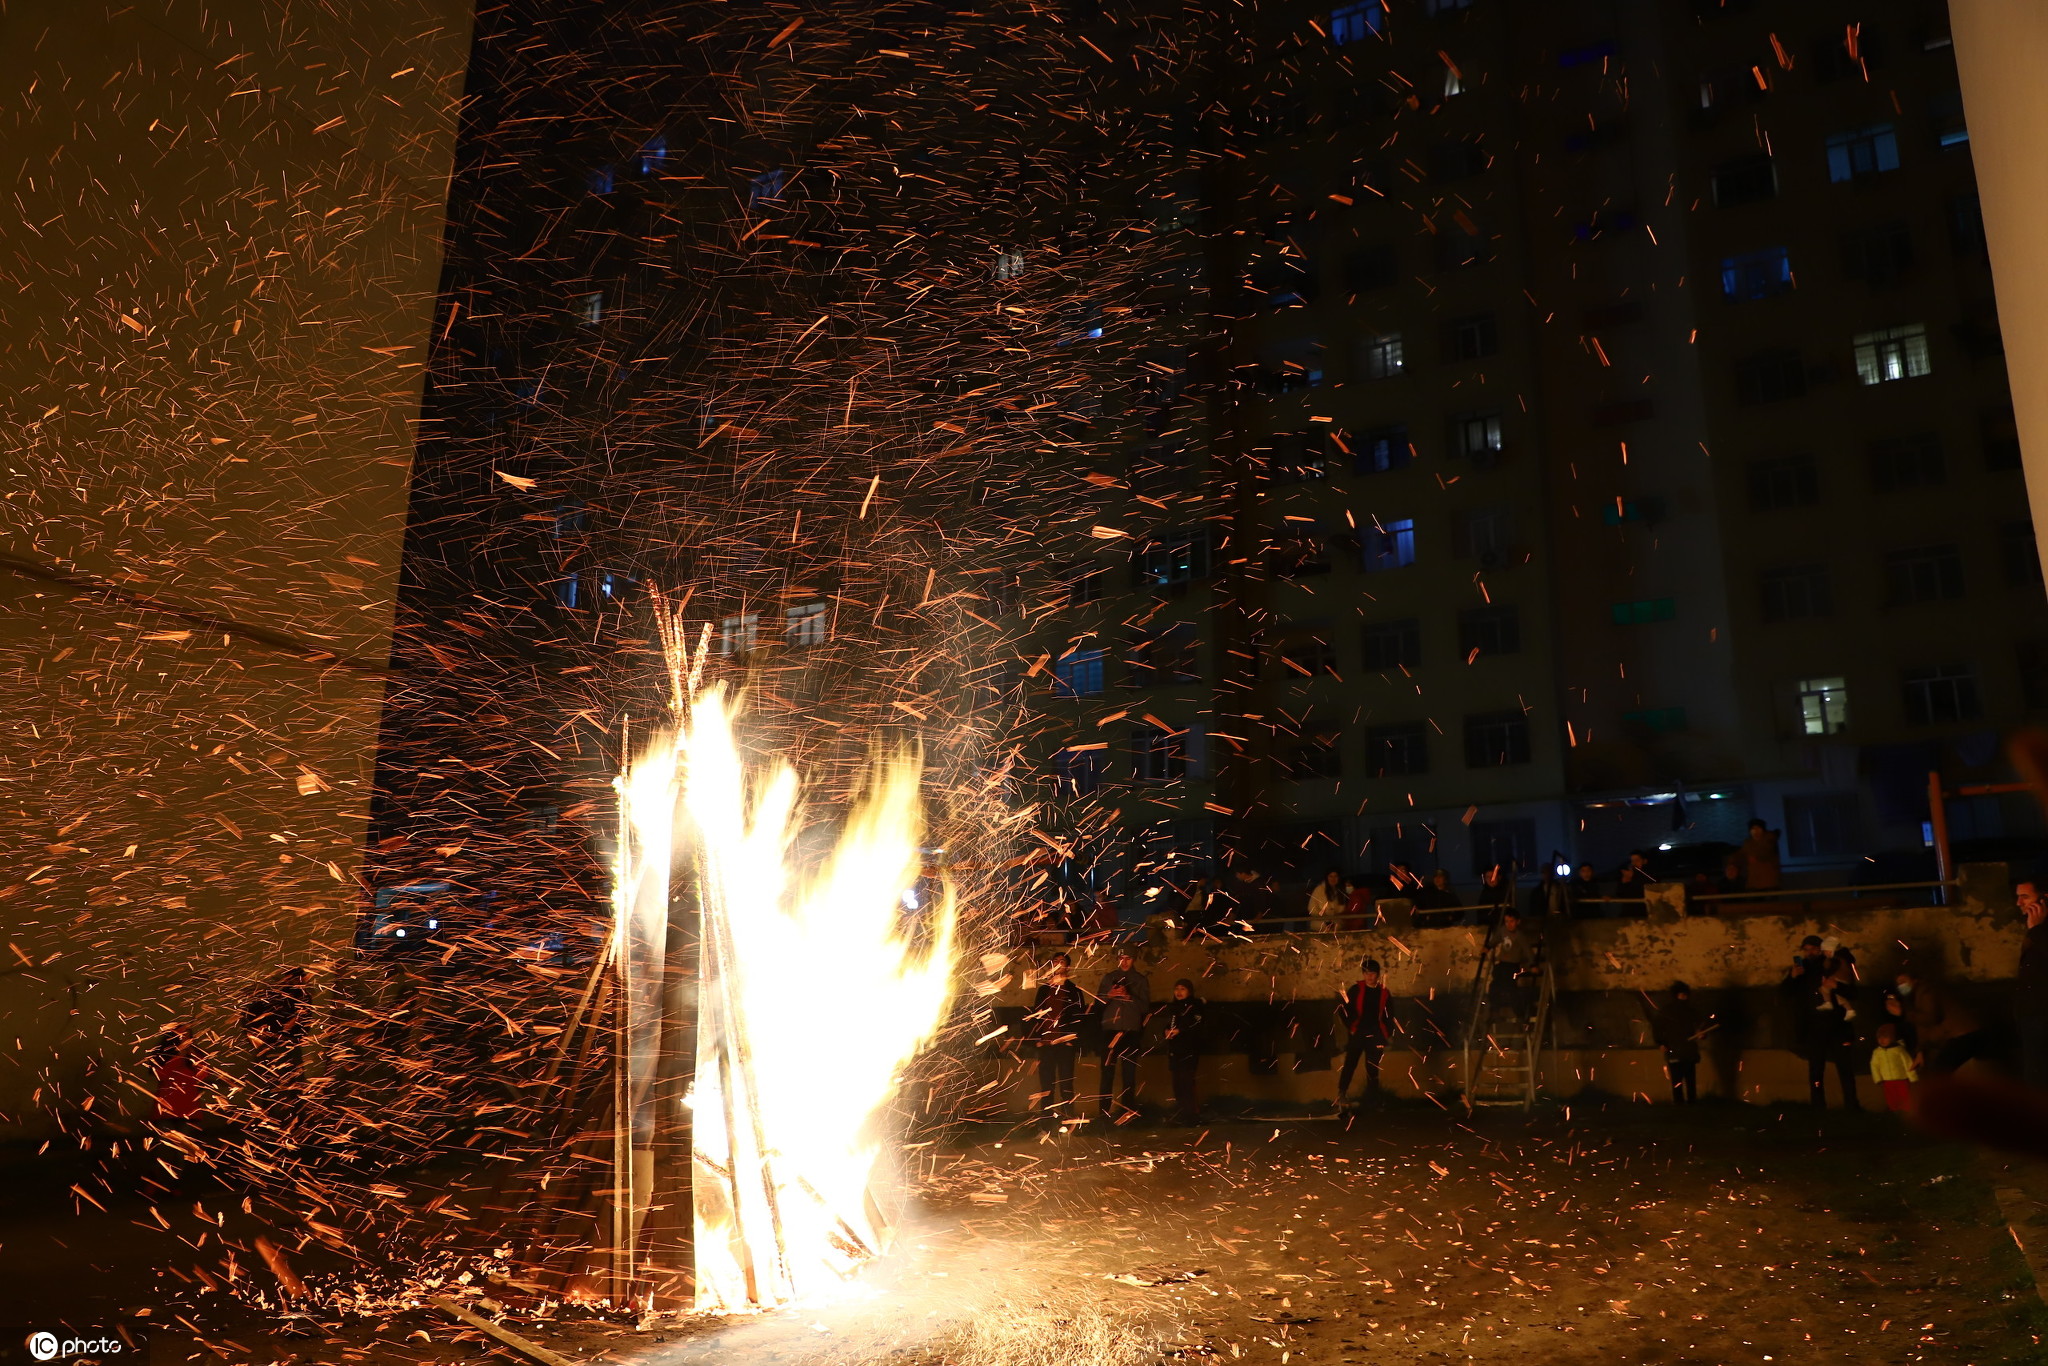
[{"x": 1328, "y": 903}]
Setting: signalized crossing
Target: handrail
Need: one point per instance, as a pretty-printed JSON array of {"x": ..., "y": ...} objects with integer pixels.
[{"x": 1786, "y": 892}]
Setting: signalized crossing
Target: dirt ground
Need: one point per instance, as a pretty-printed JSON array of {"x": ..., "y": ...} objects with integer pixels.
[{"x": 1625, "y": 1234}]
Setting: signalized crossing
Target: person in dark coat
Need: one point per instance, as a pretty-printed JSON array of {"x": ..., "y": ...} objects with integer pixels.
[
  {"x": 1585, "y": 893},
  {"x": 1181, "y": 1019},
  {"x": 1676, "y": 1029},
  {"x": 2032, "y": 986},
  {"x": 1055, "y": 1031},
  {"x": 1368, "y": 1018},
  {"x": 274, "y": 1023},
  {"x": 1126, "y": 996},
  {"x": 1824, "y": 1028}
]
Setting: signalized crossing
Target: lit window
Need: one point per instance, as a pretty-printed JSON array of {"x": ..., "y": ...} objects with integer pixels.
[
  {"x": 1756, "y": 274},
  {"x": 1478, "y": 438},
  {"x": 1009, "y": 264},
  {"x": 739, "y": 635},
  {"x": 1891, "y": 353},
  {"x": 1867, "y": 151},
  {"x": 1181, "y": 559},
  {"x": 1390, "y": 545},
  {"x": 1078, "y": 675},
  {"x": 804, "y": 625},
  {"x": 1454, "y": 80},
  {"x": 590, "y": 308},
  {"x": 1383, "y": 449},
  {"x": 1657, "y": 720},
  {"x": 599, "y": 179},
  {"x": 766, "y": 188},
  {"x": 1356, "y": 23},
  {"x": 1381, "y": 356},
  {"x": 653, "y": 155},
  {"x": 1823, "y": 705},
  {"x": 569, "y": 591},
  {"x": 1644, "y": 610}
]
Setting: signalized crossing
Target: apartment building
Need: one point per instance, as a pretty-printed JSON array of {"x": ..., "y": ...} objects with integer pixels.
[{"x": 1574, "y": 428}]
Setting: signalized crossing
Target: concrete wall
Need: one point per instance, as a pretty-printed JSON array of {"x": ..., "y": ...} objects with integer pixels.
[
  {"x": 219, "y": 287},
  {"x": 1274, "y": 1041}
]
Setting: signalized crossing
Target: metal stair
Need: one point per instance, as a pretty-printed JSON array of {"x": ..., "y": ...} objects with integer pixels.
[{"x": 1502, "y": 1054}]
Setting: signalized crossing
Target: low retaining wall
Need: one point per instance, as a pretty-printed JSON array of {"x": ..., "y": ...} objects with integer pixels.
[{"x": 1272, "y": 1039}]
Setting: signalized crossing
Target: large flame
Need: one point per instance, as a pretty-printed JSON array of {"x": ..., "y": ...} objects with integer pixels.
[{"x": 813, "y": 995}]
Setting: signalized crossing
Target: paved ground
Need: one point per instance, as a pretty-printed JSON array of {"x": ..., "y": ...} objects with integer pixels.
[{"x": 1731, "y": 1235}]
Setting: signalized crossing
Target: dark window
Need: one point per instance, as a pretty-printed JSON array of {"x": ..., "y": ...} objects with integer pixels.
[
  {"x": 1297, "y": 456},
  {"x": 1799, "y": 592},
  {"x": 1878, "y": 256},
  {"x": 1298, "y": 549},
  {"x": 1496, "y": 738},
  {"x": 1746, "y": 180},
  {"x": 1847, "y": 52},
  {"x": 1770, "y": 376},
  {"x": 1393, "y": 644},
  {"x": 1756, "y": 274},
  {"x": 1907, "y": 462},
  {"x": 1613, "y": 315},
  {"x": 1966, "y": 226},
  {"x": 1941, "y": 693},
  {"x": 1168, "y": 655},
  {"x": 1307, "y": 659},
  {"x": 1285, "y": 278},
  {"x": 1500, "y": 844},
  {"x": 2001, "y": 438},
  {"x": 1456, "y": 160},
  {"x": 1617, "y": 414},
  {"x": 2019, "y": 553},
  {"x": 1085, "y": 584},
  {"x": 1078, "y": 772},
  {"x": 1926, "y": 573},
  {"x": 1370, "y": 268},
  {"x": 1079, "y": 674},
  {"x": 1863, "y": 152},
  {"x": 1317, "y": 752},
  {"x": 1477, "y": 437},
  {"x": 1389, "y": 545},
  {"x": 1157, "y": 757},
  {"x": 2032, "y": 656},
  {"x": 1495, "y": 630},
  {"x": 1822, "y": 824},
  {"x": 1587, "y": 54},
  {"x": 1484, "y": 534},
  {"x": 1397, "y": 749},
  {"x": 1786, "y": 481},
  {"x": 1460, "y": 242},
  {"x": 1471, "y": 338}
]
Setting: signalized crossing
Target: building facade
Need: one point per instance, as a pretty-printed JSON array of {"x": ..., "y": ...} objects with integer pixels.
[{"x": 1566, "y": 430}]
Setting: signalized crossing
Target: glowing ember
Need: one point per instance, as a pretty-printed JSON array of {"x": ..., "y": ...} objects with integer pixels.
[{"x": 788, "y": 1124}]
